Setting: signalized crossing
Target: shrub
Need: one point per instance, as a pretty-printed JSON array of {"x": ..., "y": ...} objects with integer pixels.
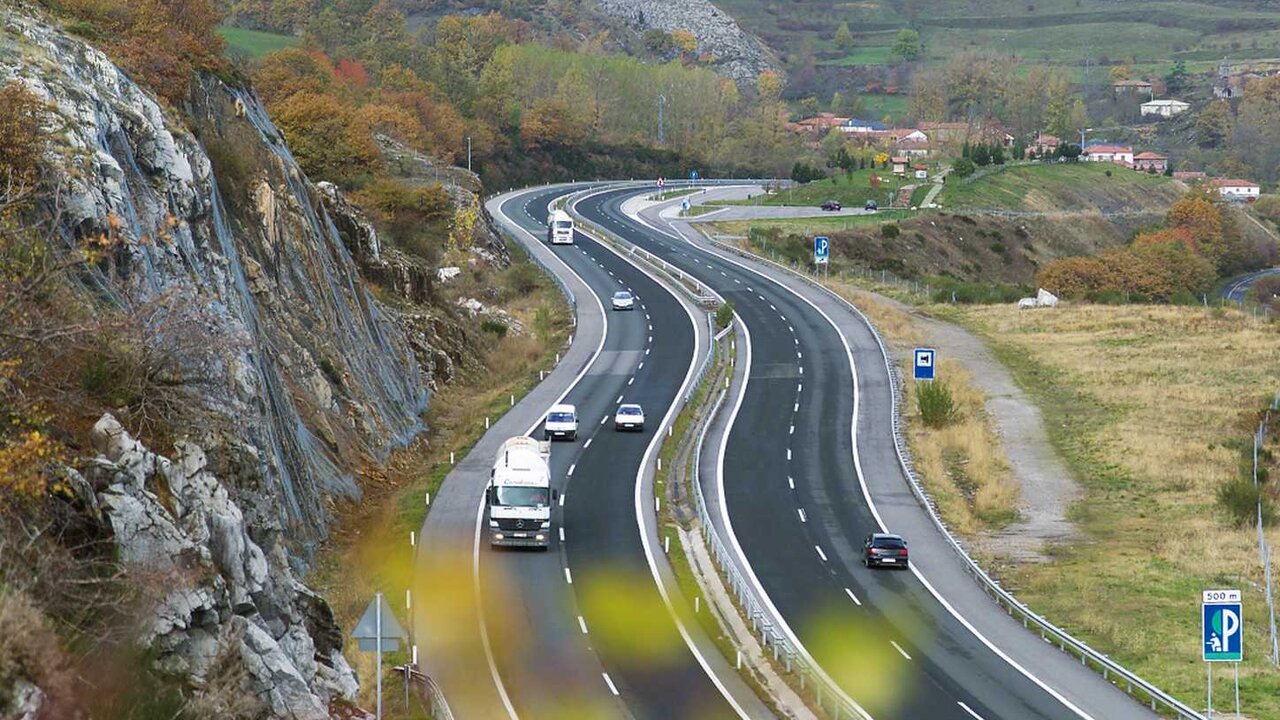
[
  {"x": 964, "y": 167},
  {"x": 1240, "y": 498},
  {"x": 493, "y": 327},
  {"x": 936, "y": 405},
  {"x": 890, "y": 230},
  {"x": 724, "y": 315},
  {"x": 522, "y": 278},
  {"x": 21, "y": 141}
]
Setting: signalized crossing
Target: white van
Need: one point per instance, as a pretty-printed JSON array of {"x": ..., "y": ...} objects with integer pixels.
[
  {"x": 561, "y": 422},
  {"x": 560, "y": 228}
]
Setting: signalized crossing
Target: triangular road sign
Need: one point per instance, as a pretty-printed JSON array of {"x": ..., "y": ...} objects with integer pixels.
[{"x": 366, "y": 632}]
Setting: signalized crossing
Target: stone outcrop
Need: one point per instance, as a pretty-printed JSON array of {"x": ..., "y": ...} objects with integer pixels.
[
  {"x": 216, "y": 591},
  {"x": 734, "y": 52}
]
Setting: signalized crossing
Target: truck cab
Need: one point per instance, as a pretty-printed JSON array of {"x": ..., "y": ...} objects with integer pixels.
[
  {"x": 561, "y": 423},
  {"x": 560, "y": 228},
  {"x": 519, "y": 496}
]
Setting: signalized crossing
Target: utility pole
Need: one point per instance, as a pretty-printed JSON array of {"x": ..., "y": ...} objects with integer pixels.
[
  {"x": 662, "y": 106},
  {"x": 468, "y": 153}
]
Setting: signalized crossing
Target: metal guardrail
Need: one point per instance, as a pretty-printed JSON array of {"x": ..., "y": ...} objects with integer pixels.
[
  {"x": 439, "y": 707},
  {"x": 811, "y": 678},
  {"x": 1099, "y": 662}
]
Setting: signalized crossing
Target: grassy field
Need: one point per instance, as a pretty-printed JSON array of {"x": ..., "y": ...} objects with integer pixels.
[
  {"x": 1055, "y": 187},
  {"x": 1150, "y": 406},
  {"x": 254, "y": 43},
  {"x": 851, "y": 190},
  {"x": 878, "y": 107},
  {"x": 813, "y": 225}
]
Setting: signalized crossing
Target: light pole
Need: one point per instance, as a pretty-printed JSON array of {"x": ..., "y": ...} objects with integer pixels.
[
  {"x": 662, "y": 106},
  {"x": 468, "y": 153}
]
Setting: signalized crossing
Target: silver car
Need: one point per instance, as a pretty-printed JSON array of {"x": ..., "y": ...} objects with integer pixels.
[{"x": 623, "y": 300}]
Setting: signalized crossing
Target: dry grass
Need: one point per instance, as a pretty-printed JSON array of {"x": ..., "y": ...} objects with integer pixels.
[
  {"x": 963, "y": 465},
  {"x": 1148, "y": 405}
]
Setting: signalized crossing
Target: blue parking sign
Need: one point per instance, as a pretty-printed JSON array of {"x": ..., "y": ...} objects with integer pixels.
[
  {"x": 821, "y": 249},
  {"x": 1222, "y": 626},
  {"x": 924, "y": 363}
]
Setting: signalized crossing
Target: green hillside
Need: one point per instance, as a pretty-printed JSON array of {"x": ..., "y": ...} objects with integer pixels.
[
  {"x": 254, "y": 43},
  {"x": 1069, "y": 187}
]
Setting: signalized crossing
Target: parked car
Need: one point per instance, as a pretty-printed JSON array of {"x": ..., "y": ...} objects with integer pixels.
[
  {"x": 831, "y": 205},
  {"x": 623, "y": 300},
  {"x": 882, "y": 549},
  {"x": 629, "y": 417},
  {"x": 870, "y": 205}
]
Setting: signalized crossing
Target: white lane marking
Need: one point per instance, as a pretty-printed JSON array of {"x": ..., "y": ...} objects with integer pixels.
[
  {"x": 587, "y": 444},
  {"x": 969, "y": 710},
  {"x": 737, "y": 281},
  {"x": 820, "y": 553},
  {"x": 572, "y": 468},
  {"x": 796, "y": 408},
  {"x": 650, "y": 327},
  {"x": 619, "y": 400},
  {"x": 788, "y": 453},
  {"x": 760, "y": 296},
  {"x": 792, "y": 328},
  {"x": 650, "y": 339},
  {"x": 724, "y": 273},
  {"x": 568, "y": 577},
  {"x": 801, "y": 369},
  {"x": 796, "y": 341},
  {"x": 631, "y": 381},
  {"x": 898, "y": 647},
  {"x": 612, "y": 688},
  {"x": 799, "y": 388},
  {"x": 801, "y": 512},
  {"x": 562, "y": 533},
  {"x": 799, "y": 355},
  {"x": 640, "y": 366},
  {"x": 853, "y": 597},
  {"x": 582, "y": 623},
  {"x": 793, "y": 430},
  {"x": 562, "y": 497},
  {"x": 791, "y": 483},
  {"x": 604, "y": 419},
  {"x": 646, "y": 351}
]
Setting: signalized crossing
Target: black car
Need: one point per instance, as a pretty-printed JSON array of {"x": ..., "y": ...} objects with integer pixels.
[
  {"x": 882, "y": 549},
  {"x": 831, "y": 205},
  {"x": 870, "y": 205}
]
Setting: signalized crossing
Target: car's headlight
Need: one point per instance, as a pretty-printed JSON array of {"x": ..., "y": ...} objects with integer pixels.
[{"x": 546, "y": 525}]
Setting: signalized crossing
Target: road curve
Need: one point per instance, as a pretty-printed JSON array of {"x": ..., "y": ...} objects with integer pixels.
[{"x": 796, "y": 502}]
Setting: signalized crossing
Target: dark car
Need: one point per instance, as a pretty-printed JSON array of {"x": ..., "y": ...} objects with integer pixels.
[
  {"x": 882, "y": 549},
  {"x": 831, "y": 205},
  {"x": 870, "y": 205}
]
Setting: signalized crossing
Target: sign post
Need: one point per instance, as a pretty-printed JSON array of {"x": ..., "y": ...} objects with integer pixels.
[
  {"x": 378, "y": 631},
  {"x": 821, "y": 250},
  {"x": 1221, "y": 635},
  {"x": 925, "y": 362}
]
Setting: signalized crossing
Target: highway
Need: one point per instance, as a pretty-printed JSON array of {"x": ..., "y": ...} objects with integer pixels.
[
  {"x": 796, "y": 506},
  {"x": 580, "y": 631}
]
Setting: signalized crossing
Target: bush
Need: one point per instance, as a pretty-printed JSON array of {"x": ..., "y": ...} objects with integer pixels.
[
  {"x": 523, "y": 278},
  {"x": 963, "y": 167},
  {"x": 493, "y": 327},
  {"x": 890, "y": 230},
  {"x": 1240, "y": 497},
  {"x": 936, "y": 405},
  {"x": 724, "y": 315}
]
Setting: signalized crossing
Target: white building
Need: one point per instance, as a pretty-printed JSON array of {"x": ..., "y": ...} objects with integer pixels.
[
  {"x": 1230, "y": 189},
  {"x": 1118, "y": 154},
  {"x": 1164, "y": 108}
]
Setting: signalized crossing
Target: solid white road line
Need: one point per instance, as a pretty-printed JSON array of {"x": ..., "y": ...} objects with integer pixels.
[
  {"x": 820, "y": 553},
  {"x": 898, "y": 647},
  {"x": 969, "y": 710},
  {"x": 853, "y": 597}
]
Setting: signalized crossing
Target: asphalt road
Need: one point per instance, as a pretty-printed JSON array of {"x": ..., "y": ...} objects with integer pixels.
[
  {"x": 799, "y": 513},
  {"x": 580, "y": 631},
  {"x": 1236, "y": 290}
]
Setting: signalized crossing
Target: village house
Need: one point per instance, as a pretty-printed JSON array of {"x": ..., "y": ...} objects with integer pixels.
[
  {"x": 1150, "y": 161},
  {"x": 1118, "y": 154},
  {"x": 820, "y": 124},
  {"x": 1044, "y": 144},
  {"x": 856, "y": 126},
  {"x": 900, "y": 163},
  {"x": 914, "y": 148},
  {"x": 1238, "y": 190},
  {"x": 1131, "y": 87},
  {"x": 1164, "y": 108}
]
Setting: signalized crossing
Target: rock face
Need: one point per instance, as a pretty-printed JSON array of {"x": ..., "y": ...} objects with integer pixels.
[
  {"x": 218, "y": 593},
  {"x": 219, "y": 228},
  {"x": 737, "y": 54}
]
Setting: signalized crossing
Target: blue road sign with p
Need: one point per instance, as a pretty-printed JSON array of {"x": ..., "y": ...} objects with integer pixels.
[
  {"x": 693, "y": 174},
  {"x": 821, "y": 249},
  {"x": 924, "y": 363},
  {"x": 1222, "y": 626}
]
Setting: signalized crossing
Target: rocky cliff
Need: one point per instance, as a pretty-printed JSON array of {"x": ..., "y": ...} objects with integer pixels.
[
  {"x": 735, "y": 53},
  {"x": 247, "y": 272}
]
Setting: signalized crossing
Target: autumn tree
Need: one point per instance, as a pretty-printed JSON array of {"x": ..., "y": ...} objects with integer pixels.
[
  {"x": 285, "y": 72},
  {"x": 844, "y": 37},
  {"x": 21, "y": 140},
  {"x": 685, "y": 41},
  {"x": 1201, "y": 221},
  {"x": 325, "y": 138},
  {"x": 1214, "y": 124},
  {"x": 907, "y": 46}
]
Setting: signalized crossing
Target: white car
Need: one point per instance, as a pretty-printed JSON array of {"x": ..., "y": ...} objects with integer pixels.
[
  {"x": 629, "y": 417},
  {"x": 561, "y": 423},
  {"x": 623, "y": 300}
]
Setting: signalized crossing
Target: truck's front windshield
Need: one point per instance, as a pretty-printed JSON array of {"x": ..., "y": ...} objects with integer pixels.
[
  {"x": 522, "y": 496},
  {"x": 564, "y": 224}
]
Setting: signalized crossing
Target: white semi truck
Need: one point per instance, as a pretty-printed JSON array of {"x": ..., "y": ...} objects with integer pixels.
[
  {"x": 560, "y": 228},
  {"x": 519, "y": 495}
]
